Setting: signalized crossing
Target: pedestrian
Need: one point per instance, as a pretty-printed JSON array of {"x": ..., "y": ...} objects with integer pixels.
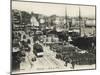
[
  {"x": 24, "y": 36},
  {"x": 28, "y": 41},
  {"x": 66, "y": 62},
  {"x": 73, "y": 64}
]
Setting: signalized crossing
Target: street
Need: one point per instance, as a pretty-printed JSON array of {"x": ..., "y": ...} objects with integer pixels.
[{"x": 48, "y": 62}]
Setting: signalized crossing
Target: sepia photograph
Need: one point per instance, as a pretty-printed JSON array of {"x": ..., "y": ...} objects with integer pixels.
[{"x": 52, "y": 37}]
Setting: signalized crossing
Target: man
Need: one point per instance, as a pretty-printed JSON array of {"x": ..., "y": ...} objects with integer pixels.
[
  {"x": 73, "y": 63},
  {"x": 66, "y": 62}
]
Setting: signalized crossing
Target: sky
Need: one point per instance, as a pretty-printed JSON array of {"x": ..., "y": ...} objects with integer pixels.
[{"x": 55, "y": 9}]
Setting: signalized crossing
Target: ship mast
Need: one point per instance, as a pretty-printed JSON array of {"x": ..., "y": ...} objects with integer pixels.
[
  {"x": 66, "y": 18},
  {"x": 80, "y": 21},
  {"x": 67, "y": 26}
]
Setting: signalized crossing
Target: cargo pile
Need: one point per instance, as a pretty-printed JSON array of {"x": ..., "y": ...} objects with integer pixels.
[{"x": 71, "y": 53}]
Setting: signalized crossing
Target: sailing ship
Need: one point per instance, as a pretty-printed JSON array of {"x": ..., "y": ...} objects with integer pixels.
[{"x": 79, "y": 36}]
